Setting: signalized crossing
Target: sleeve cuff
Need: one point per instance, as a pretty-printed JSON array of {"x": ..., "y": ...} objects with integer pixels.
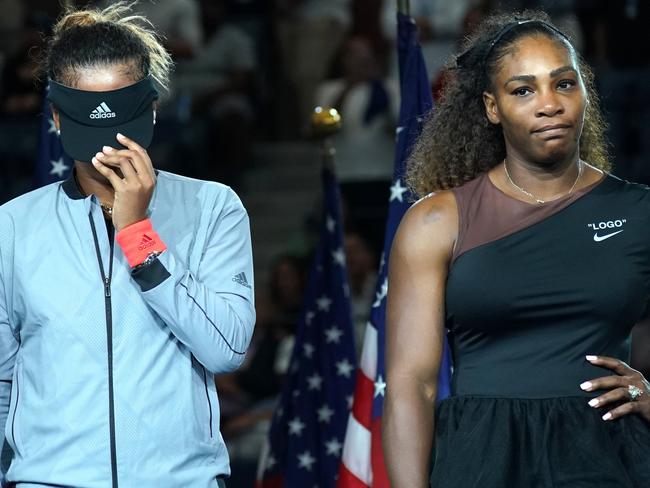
[{"x": 149, "y": 277}]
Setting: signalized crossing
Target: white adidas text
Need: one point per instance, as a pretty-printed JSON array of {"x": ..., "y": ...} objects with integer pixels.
[{"x": 102, "y": 112}]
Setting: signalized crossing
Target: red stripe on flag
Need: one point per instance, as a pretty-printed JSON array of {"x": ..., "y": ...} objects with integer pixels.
[
  {"x": 379, "y": 474},
  {"x": 363, "y": 394},
  {"x": 348, "y": 480},
  {"x": 276, "y": 481}
]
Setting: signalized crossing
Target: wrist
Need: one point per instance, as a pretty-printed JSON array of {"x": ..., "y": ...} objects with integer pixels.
[
  {"x": 120, "y": 226},
  {"x": 138, "y": 241}
]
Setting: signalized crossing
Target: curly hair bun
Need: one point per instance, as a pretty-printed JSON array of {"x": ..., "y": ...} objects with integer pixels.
[{"x": 94, "y": 37}]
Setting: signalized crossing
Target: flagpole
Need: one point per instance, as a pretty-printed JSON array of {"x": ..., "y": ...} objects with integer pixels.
[
  {"x": 404, "y": 7},
  {"x": 325, "y": 123}
]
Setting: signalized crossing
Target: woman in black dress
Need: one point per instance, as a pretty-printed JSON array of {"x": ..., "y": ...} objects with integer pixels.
[{"x": 537, "y": 261}]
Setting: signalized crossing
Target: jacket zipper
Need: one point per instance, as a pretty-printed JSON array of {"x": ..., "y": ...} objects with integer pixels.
[
  {"x": 13, "y": 418},
  {"x": 207, "y": 394},
  {"x": 109, "y": 339}
]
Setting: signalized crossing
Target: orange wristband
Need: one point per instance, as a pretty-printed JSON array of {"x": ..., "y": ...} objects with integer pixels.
[{"x": 138, "y": 241}]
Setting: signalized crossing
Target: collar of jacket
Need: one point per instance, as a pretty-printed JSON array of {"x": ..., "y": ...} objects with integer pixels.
[{"x": 72, "y": 190}]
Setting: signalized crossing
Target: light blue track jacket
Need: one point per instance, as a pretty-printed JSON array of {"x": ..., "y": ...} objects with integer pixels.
[{"x": 107, "y": 383}]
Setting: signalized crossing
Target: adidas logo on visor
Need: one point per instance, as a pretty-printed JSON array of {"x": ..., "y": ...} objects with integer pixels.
[{"x": 102, "y": 112}]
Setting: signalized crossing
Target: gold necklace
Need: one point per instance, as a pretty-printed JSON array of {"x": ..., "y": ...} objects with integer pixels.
[
  {"x": 537, "y": 199},
  {"x": 107, "y": 209}
]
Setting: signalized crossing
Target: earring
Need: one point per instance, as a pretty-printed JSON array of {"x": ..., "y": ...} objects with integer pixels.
[
  {"x": 58, "y": 132},
  {"x": 154, "y": 117}
]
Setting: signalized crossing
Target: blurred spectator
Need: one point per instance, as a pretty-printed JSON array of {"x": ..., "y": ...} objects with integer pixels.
[
  {"x": 369, "y": 106},
  {"x": 562, "y": 13},
  {"x": 287, "y": 282},
  {"x": 12, "y": 22},
  {"x": 362, "y": 275},
  {"x": 21, "y": 102},
  {"x": 178, "y": 21},
  {"x": 616, "y": 36},
  {"x": 440, "y": 23},
  {"x": 365, "y": 145},
  {"x": 21, "y": 84},
  {"x": 310, "y": 33},
  {"x": 218, "y": 85}
]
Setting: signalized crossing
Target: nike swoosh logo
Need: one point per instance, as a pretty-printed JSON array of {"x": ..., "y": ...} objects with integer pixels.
[{"x": 598, "y": 238}]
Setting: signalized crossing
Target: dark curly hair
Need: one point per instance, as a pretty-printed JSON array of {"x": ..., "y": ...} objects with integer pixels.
[
  {"x": 93, "y": 37},
  {"x": 458, "y": 142}
]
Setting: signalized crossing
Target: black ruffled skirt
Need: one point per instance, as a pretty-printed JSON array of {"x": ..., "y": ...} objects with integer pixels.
[{"x": 537, "y": 443}]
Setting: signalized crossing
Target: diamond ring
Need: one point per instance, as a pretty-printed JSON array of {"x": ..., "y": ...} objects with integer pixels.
[{"x": 634, "y": 391}]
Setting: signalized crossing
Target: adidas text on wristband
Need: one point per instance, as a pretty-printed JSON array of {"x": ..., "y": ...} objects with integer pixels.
[{"x": 138, "y": 241}]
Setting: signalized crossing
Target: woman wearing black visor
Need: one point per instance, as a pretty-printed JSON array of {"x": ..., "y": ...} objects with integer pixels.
[{"x": 123, "y": 290}]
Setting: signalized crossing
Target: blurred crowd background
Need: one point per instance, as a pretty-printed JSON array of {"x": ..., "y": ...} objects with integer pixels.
[{"x": 248, "y": 74}]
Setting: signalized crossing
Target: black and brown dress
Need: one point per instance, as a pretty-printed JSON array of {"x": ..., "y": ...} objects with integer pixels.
[{"x": 533, "y": 289}]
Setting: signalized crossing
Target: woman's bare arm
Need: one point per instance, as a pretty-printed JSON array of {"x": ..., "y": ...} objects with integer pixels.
[{"x": 414, "y": 334}]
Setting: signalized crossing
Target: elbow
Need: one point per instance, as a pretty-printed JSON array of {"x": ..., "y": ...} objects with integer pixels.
[
  {"x": 233, "y": 353},
  {"x": 228, "y": 364}
]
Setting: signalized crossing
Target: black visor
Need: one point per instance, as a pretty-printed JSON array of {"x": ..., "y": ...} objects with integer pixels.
[{"x": 92, "y": 119}]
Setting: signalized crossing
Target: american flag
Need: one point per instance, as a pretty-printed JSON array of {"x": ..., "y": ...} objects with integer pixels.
[
  {"x": 362, "y": 464},
  {"x": 308, "y": 427},
  {"x": 52, "y": 163}
]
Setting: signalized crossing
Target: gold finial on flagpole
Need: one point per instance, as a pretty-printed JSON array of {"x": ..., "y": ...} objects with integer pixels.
[
  {"x": 404, "y": 7},
  {"x": 325, "y": 123}
]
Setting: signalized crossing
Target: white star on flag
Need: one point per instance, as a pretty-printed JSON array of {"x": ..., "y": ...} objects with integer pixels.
[
  {"x": 305, "y": 460},
  {"x": 308, "y": 350},
  {"x": 324, "y": 303},
  {"x": 381, "y": 294},
  {"x": 325, "y": 413},
  {"x": 346, "y": 290},
  {"x": 333, "y": 334},
  {"x": 339, "y": 256},
  {"x": 59, "y": 167},
  {"x": 382, "y": 262},
  {"x": 350, "y": 400},
  {"x": 52, "y": 126},
  {"x": 296, "y": 426},
  {"x": 331, "y": 223},
  {"x": 270, "y": 462},
  {"x": 314, "y": 382},
  {"x": 397, "y": 191},
  {"x": 309, "y": 316},
  {"x": 334, "y": 447},
  {"x": 344, "y": 368},
  {"x": 380, "y": 386}
]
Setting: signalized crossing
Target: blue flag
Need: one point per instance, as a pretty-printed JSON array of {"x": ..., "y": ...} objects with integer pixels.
[
  {"x": 52, "y": 163},
  {"x": 308, "y": 427},
  {"x": 362, "y": 463}
]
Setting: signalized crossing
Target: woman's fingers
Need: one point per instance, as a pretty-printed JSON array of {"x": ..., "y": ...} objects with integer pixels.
[
  {"x": 618, "y": 395},
  {"x": 141, "y": 159},
  {"x": 109, "y": 174},
  {"x": 625, "y": 409},
  {"x": 605, "y": 383},
  {"x": 614, "y": 364},
  {"x": 125, "y": 164}
]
